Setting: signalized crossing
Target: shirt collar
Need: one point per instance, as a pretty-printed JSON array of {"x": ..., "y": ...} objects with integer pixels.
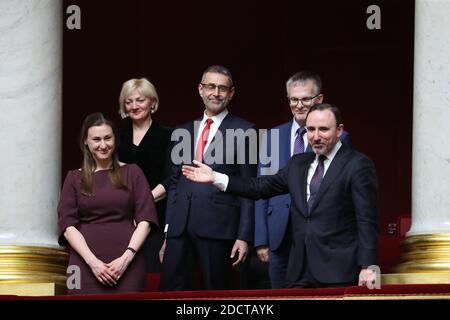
[
  {"x": 295, "y": 125},
  {"x": 217, "y": 119},
  {"x": 330, "y": 156}
]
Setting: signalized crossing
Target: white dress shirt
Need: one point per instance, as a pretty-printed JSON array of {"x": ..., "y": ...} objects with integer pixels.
[
  {"x": 217, "y": 120},
  {"x": 326, "y": 164},
  {"x": 221, "y": 180}
]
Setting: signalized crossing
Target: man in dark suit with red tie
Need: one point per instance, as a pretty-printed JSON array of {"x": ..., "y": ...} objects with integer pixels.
[
  {"x": 204, "y": 224},
  {"x": 334, "y": 215}
]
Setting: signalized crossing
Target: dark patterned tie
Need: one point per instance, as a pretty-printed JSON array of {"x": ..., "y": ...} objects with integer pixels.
[
  {"x": 316, "y": 180},
  {"x": 299, "y": 145}
]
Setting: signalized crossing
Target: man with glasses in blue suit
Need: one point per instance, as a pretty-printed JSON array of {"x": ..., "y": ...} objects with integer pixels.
[{"x": 304, "y": 89}]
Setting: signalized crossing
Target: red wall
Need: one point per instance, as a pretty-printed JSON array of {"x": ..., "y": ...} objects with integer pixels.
[{"x": 366, "y": 73}]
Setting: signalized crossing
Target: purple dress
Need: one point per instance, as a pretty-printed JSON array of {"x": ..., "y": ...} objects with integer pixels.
[{"x": 106, "y": 221}]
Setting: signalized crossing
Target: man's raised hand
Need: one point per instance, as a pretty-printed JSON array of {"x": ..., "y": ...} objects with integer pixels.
[{"x": 198, "y": 173}]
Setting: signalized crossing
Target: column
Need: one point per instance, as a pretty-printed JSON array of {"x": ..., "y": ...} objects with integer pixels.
[
  {"x": 426, "y": 248},
  {"x": 30, "y": 143}
]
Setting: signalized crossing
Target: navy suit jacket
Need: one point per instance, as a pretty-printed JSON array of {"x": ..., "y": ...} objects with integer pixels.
[
  {"x": 272, "y": 215},
  {"x": 211, "y": 213},
  {"x": 340, "y": 233}
]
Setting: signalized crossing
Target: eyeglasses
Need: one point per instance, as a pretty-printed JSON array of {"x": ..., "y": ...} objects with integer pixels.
[
  {"x": 213, "y": 86},
  {"x": 305, "y": 101}
]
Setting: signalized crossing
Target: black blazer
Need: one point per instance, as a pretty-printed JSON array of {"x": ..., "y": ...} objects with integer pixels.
[
  {"x": 152, "y": 156},
  {"x": 211, "y": 213},
  {"x": 340, "y": 234}
]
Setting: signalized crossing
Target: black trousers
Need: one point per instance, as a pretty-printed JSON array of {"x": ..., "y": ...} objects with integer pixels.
[
  {"x": 307, "y": 280},
  {"x": 184, "y": 253}
]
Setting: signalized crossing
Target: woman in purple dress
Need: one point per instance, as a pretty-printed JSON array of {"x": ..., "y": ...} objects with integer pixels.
[{"x": 105, "y": 213}]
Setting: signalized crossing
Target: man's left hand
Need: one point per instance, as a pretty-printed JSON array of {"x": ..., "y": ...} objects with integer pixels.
[{"x": 241, "y": 248}]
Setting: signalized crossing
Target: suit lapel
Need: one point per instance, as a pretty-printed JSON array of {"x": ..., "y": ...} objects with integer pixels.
[
  {"x": 225, "y": 124},
  {"x": 336, "y": 166},
  {"x": 285, "y": 144},
  {"x": 303, "y": 180},
  {"x": 220, "y": 138},
  {"x": 193, "y": 129}
]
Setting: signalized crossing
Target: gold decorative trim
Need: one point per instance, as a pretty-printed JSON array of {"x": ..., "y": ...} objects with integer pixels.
[
  {"x": 416, "y": 278},
  {"x": 32, "y": 289},
  {"x": 430, "y": 296},
  {"x": 425, "y": 253},
  {"x": 32, "y": 264}
]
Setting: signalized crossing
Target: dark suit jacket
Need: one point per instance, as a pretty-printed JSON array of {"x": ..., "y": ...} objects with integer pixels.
[
  {"x": 272, "y": 215},
  {"x": 340, "y": 234},
  {"x": 152, "y": 156},
  {"x": 212, "y": 213}
]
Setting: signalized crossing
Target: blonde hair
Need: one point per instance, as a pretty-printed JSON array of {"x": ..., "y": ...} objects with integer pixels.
[{"x": 144, "y": 87}]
